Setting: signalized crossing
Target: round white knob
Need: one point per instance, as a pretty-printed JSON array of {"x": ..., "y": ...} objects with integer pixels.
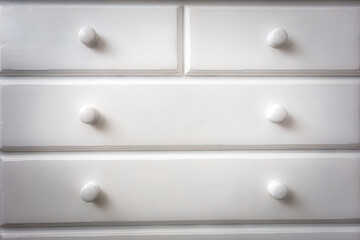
[
  {"x": 88, "y": 115},
  {"x": 277, "y": 190},
  {"x": 276, "y": 113},
  {"x": 90, "y": 192},
  {"x": 88, "y": 36},
  {"x": 277, "y": 37}
]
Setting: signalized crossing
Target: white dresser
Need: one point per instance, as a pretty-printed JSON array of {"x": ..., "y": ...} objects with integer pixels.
[{"x": 180, "y": 120}]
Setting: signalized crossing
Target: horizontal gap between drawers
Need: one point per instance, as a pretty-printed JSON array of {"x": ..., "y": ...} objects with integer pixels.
[
  {"x": 90, "y": 72},
  {"x": 270, "y": 73},
  {"x": 176, "y": 148},
  {"x": 173, "y": 80},
  {"x": 178, "y": 72},
  {"x": 167, "y": 155},
  {"x": 184, "y": 230}
]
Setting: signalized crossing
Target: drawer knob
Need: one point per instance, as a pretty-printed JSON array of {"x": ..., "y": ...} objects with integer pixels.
[
  {"x": 276, "y": 113},
  {"x": 277, "y": 190},
  {"x": 90, "y": 192},
  {"x": 277, "y": 38},
  {"x": 88, "y": 115},
  {"x": 88, "y": 36}
]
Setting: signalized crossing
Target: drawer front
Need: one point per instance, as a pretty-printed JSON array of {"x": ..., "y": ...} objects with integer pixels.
[
  {"x": 185, "y": 114},
  {"x": 186, "y": 187},
  {"x": 129, "y": 39},
  {"x": 234, "y": 40}
]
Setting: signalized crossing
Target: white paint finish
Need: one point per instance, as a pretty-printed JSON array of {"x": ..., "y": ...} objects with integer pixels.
[
  {"x": 148, "y": 187},
  {"x": 233, "y": 40},
  {"x": 89, "y": 115},
  {"x": 244, "y": 232},
  {"x": 277, "y": 38},
  {"x": 277, "y": 190},
  {"x": 276, "y": 113},
  {"x": 88, "y": 36},
  {"x": 131, "y": 39},
  {"x": 229, "y": 187},
  {"x": 180, "y": 114},
  {"x": 90, "y": 192}
]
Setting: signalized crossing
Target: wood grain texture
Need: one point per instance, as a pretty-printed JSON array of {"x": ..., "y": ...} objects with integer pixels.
[
  {"x": 174, "y": 187},
  {"x": 173, "y": 113}
]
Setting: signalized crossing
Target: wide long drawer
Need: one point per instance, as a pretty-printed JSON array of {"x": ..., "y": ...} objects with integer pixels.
[
  {"x": 285, "y": 39},
  {"x": 180, "y": 187},
  {"x": 180, "y": 114},
  {"x": 129, "y": 39}
]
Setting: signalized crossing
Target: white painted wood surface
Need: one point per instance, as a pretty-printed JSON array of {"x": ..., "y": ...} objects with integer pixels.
[
  {"x": 132, "y": 40},
  {"x": 233, "y": 40},
  {"x": 244, "y": 232},
  {"x": 171, "y": 113},
  {"x": 41, "y": 190},
  {"x": 168, "y": 187}
]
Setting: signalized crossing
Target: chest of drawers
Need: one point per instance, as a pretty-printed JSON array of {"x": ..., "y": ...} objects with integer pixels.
[{"x": 168, "y": 120}]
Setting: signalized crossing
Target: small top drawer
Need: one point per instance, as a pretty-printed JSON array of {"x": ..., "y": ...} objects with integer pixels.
[
  {"x": 264, "y": 40},
  {"x": 132, "y": 40}
]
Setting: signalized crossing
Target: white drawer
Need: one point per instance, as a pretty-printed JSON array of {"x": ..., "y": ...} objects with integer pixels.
[
  {"x": 233, "y": 40},
  {"x": 157, "y": 187},
  {"x": 131, "y": 40},
  {"x": 180, "y": 114}
]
